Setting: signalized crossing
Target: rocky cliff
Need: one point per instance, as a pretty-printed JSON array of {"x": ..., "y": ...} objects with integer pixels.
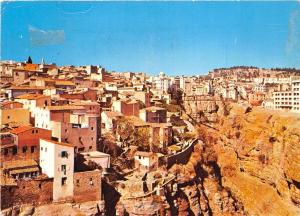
[
  {"x": 250, "y": 163},
  {"x": 204, "y": 108},
  {"x": 258, "y": 155}
]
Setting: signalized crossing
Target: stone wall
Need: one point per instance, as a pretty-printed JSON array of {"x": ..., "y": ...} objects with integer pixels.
[
  {"x": 34, "y": 192},
  {"x": 87, "y": 186},
  {"x": 181, "y": 157}
]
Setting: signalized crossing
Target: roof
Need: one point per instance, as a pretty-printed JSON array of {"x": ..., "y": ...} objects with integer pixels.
[
  {"x": 113, "y": 114},
  {"x": 95, "y": 154},
  {"x": 21, "y": 129},
  {"x": 65, "y": 107},
  {"x": 144, "y": 154},
  {"x": 161, "y": 125},
  {"x": 136, "y": 121},
  {"x": 26, "y": 87},
  {"x": 24, "y": 170},
  {"x": 84, "y": 103},
  {"x": 19, "y": 164},
  {"x": 9, "y": 102},
  {"x": 58, "y": 143},
  {"x": 31, "y": 67},
  {"x": 31, "y": 96},
  {"x": 64, "y": 82},
  {"x": 154, "y": 108}
]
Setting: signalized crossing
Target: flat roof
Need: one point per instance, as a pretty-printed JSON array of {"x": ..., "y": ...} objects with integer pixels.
[{"x": 58, "y": 143}]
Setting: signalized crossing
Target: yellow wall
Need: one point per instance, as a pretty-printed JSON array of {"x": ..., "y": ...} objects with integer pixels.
[{"x": 14, "y": 115}]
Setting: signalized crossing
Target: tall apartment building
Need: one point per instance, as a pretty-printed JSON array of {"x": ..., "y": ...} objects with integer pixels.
[
  {"x": 162, "y": 82},
  {"x": 288, "y": 100}
]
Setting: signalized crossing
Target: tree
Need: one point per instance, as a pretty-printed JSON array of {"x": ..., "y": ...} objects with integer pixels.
[
  {"x": 29, "y": 60},
  {"x": 141, "y": 138}
]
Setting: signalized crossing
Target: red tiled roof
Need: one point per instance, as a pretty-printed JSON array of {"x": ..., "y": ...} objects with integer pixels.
[
  {"x": 26, "y": 87},
  {"x": 31, "y": 96},
  {"x": 21, "y": 129},
  {"x": 66, "y": 107}
]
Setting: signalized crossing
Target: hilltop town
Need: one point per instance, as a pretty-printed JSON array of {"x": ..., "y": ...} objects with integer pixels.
[{"x": 81, "y": 140}]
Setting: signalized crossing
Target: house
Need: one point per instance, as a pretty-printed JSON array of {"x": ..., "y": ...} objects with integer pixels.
[
  {"x": 21, "y": 169},
  {"x": 71, "y": 124},
  {"x": 19, "y": 116},
  {"x": 57, "y": 162},
  {"x": 10, "y": 105},
  {"x": 268, "y": 103},
  {"x": 161, "y": 134},
  {"x": 255, "y": 99},
  {"x": 99, "y": 158},
  {"x": 128, "y": 107},
  {"x": 9, "y": 145},
  {"x": 109, "y": 120},
  {"x": 32, "y": 101},
  {"x": 142, "y": 96},
  {"x": 28, "y": 141},
  {"x": 21, "y": 75},
  {"x": 154, "y": 114},
  {"x": 15, "y": 91},
  {"x": 146, "y": 160}
]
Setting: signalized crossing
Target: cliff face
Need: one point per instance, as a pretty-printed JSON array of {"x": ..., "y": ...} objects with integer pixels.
[
  {"x": 259, "y": 156},
  {"x": 204, "y": 108},
  {"x": 252, "y": 157},
  {"x": 200, "y": 190}
]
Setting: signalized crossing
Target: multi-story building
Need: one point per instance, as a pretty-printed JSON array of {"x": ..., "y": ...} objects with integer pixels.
[
  {"x": 57, "y": 162},
  {"x": 162, "y": 82},
  {"x": 154, "y": 114},
  {"x": 288, "y": 100},
  {"x": 71, "y": 124}
]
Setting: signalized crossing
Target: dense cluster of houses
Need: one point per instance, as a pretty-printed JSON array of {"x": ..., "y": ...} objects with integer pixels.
[
  {"x": 52, "y": 123},
  {"x": 53, "y": 120}
]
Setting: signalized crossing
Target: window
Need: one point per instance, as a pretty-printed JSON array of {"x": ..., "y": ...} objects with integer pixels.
[
  {"x": 46, "y": 149},
  {"x": 8, "y": 117},
  {"x": 41, "y": 148},
  {"x": 36, "y": 131},
  {"x": 5, "y": 151},
  {"x": 24, "y": 149},
  {"x": 15, "y": 150},
  {"x": 90, "y": 147},
  {"x": 77, "y": 182},
  {"x": 32, "y": 131},
  {"x": 91, "y": 181},
  {"x": 64, "y": 154},
  {"x": 92, "y": 128},
  {"x": 32, "y": 149},
  {"x": 64, "y": 181},
  {"x": 64, "y": 169}
]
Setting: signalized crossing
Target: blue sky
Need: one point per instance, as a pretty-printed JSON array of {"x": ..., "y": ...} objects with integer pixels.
[{"x": 174, "y": 37}]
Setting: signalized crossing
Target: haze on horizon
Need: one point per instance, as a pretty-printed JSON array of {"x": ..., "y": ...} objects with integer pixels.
[{"x": 174, "y": 37}]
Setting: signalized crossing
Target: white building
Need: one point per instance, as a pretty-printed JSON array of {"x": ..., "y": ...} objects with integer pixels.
[
  {"x": 162, "y": 82},
  {"x": 288, "y": 100},
  {"x": 145, "y": 160},
  {"x": 57, "y": 162}
]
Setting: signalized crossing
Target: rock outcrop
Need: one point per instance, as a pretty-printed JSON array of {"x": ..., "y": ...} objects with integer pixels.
[
  {"x": 259, "y": 156},
  {"x": 204, "y": 108}
]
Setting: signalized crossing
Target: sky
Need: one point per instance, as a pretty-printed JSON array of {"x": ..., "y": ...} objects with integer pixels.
[{"x": 178, "y": 38}]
